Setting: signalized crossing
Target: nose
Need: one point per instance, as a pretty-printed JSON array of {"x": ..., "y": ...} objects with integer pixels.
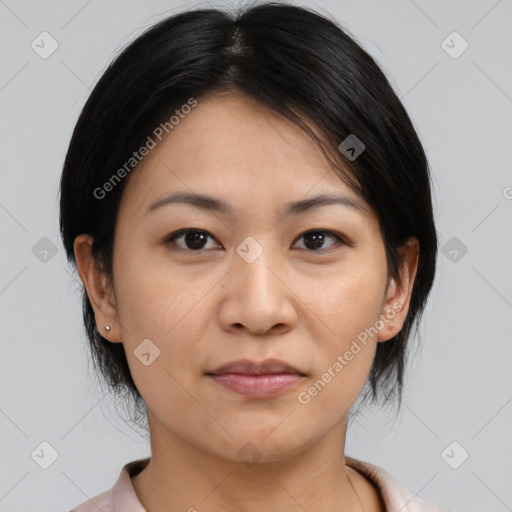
[{"x": 258, "y": 298}]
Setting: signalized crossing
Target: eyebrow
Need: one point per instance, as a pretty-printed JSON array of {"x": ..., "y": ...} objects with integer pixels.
[{"x": 212, "y": 204}]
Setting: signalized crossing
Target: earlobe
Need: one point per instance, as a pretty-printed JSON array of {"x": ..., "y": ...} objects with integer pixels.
[{"x": 96, "y": 284}]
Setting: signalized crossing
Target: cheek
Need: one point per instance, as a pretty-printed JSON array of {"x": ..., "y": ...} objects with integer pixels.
[
  {"x": 155, "y": 300},
  {"x": 347, "y": 301},
  {"x": 346, "y": 306},
  {"x": 153, "y": 306}
]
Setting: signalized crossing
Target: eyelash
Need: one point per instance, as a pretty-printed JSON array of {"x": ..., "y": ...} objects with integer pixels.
[{"x": 182, "y": 232}]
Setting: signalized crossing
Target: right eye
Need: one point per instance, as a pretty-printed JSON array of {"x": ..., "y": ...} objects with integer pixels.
[{"x": 193, "y": 240}]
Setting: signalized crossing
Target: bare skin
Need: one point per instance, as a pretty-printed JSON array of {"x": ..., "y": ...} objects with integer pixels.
[{"x": 203, "y": 307}]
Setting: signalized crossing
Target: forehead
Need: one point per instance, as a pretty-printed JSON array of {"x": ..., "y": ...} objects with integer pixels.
[{"x": 232, "y": 146}]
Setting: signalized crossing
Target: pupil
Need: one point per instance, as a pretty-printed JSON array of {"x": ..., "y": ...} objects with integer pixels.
[
  {"x": 194, "y": 238},
  {"x": 318, "y": 239}
]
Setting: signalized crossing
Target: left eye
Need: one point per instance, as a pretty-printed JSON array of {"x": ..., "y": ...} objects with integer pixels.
[
  {"x": 194, "y": 239},
  {"x": 317, "y": 238}
]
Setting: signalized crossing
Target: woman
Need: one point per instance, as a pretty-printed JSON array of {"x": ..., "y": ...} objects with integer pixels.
[{"x": 248, "y": 206}]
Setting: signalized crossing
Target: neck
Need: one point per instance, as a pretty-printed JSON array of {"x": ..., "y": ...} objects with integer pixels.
[{"x": 181, "y": 476}]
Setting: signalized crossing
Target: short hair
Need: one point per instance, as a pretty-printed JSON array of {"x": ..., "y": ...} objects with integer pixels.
[{"x": 302, "y": 65}]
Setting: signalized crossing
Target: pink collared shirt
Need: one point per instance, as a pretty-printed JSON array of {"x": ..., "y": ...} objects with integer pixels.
[{"x": 397, "y": 498}]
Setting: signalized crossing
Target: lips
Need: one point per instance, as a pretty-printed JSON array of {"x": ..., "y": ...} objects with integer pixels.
[{"x": 248, "y": 367}]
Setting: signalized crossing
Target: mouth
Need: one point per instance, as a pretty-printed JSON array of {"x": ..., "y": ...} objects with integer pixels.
[
  {"x": 257, "y": 380},
  {"x": 248, "y": 367}
]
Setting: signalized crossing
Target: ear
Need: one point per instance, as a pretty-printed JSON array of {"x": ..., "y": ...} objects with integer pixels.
[
  {"x": 398, "y": 295},
  {"x": 96, "y": 285}
]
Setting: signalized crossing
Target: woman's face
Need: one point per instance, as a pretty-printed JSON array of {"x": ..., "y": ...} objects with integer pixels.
[{"x": 252, "y": 284}]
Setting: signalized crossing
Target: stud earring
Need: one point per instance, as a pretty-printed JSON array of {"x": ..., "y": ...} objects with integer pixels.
[{"x": 107, "y": 328}]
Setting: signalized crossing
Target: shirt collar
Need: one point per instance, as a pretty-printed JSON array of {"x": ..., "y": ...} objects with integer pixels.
[
  {"x": 123, "y": 493},
  {"x": 395, "y": 495}
]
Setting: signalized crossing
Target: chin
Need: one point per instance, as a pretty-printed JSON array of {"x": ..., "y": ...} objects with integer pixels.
[{"x": 266, "y": 444}]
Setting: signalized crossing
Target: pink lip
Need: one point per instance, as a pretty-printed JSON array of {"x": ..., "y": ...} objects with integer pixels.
[
  {"x": 248, "y": 367},
  {"x": 257, "y": 386}
]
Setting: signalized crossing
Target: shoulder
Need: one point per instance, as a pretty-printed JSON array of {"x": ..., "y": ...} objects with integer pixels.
[
  {"x": 121, "y": 496},
  {"x": 395, "y": 495},
  {"x": 100, "y": 503}
]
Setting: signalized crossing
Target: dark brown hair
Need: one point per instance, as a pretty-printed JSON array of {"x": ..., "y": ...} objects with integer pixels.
[{"x": 304, "y": 66}]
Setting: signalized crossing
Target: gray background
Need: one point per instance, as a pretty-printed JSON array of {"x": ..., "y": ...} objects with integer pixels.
[{"x": 459, "y": 387}]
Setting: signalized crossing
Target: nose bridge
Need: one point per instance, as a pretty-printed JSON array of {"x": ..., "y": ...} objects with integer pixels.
[
  {"x": 258, "y": 288},
  {"x": 257, "y": 296},
  {"x": 256, "y": 259}
]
